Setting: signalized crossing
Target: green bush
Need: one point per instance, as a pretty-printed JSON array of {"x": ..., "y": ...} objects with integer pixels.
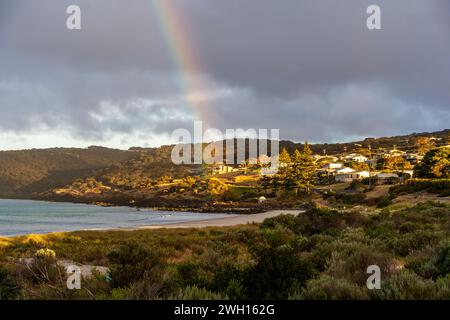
[
  {"x": 330, "y": 288},
  {"x": 131, "y": 262},
  {"x": 195, "y": 293},
  {"x": 384, "y": 202},
  {"x": 9, "y": 290},
  {"x": 405, "y": 285},
  {"x": 279, "y": 269},
  {"x": 440, "y": 186},
  {"x": 350, "y": 198}
]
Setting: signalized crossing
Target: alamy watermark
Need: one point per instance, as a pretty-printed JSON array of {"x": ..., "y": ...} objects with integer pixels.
[
  {"x": 254, "y": 145},
  {"x": 73, "y": 277},
  {"x": 73, "y": 21},
  {"x": 374, "y": 280},
  {"x": 373, "y": 21}
]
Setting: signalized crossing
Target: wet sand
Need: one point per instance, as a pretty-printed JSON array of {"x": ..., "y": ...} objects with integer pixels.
[{"x": 233, "y": 220}]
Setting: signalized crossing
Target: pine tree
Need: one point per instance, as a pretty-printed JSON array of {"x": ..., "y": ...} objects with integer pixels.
[
  {"x": 284, "y": 172},
  {"x": 303, "y": 169},
  {"x": 284, "y": 157}
]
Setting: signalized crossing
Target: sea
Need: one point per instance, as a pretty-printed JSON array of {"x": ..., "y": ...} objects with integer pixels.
[{"x": 22, "y": 217}]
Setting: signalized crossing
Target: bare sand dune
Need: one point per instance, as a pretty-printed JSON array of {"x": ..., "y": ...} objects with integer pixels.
[{"x": 233, "y": 220}]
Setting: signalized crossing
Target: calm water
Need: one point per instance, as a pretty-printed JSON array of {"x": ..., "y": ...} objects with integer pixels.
[{"x": 18, "y": 217}]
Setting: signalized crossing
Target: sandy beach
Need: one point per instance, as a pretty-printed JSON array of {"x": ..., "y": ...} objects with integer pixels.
[{"x": 233, "y": 220}]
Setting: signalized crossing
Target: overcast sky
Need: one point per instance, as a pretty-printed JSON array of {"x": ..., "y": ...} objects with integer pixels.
[{"x": 308, "y": 67}]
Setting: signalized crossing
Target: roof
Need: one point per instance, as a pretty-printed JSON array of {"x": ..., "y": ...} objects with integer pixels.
[
  {"x": 387, "y": 175},
  {"x": 345, "y": 170}
]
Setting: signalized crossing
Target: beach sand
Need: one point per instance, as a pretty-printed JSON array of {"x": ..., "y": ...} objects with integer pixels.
[{"x": 233, "y": 220}]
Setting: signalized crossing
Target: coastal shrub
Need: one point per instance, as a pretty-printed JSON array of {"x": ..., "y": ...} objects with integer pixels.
[
  {"x": 318, "y": 254},
  {"x": 9, "y": 289},
  {"x": 438, "y": 264},
  {"x": 330, "y": 288},
  {"x": 132, "y": 261},
  {"x": 279, "y": 269},
  {"x": 326, "y": 221},
  {"x": 405, "y": 244},
  {"x": 440, "y": 186},
  {"x": 285, "y": 220},
  {"x": 229, "y": 279},
  {"x": 350, "y": 198},
  {"x": 44, "y": 268},
  {"x": 384, "y": 201},
  {"x": 405, "y": 285},
  {"x": 351, "y": 264},
  {"x": 189, "y": 274},
  {"x": 196, "y": 293},
  {"x": 443, "y": 288},
  {"x": 153, "y": 285}
]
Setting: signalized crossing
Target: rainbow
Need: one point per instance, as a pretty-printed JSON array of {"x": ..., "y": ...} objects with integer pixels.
[{"x": 181, "y": 46}]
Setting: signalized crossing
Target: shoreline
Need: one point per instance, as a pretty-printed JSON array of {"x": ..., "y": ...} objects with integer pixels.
[
  {"x": 201, "y": 209},
  {"x": 231, "y": 221}
]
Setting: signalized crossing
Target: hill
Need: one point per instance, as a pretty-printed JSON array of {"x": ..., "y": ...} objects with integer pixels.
[{"x": 28, "y": 173}]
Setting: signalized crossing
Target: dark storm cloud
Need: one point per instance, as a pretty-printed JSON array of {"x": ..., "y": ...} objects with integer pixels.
[{"x": 308, "y": 67}]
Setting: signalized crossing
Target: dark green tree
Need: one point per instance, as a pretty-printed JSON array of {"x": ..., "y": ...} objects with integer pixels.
[
  {"x": 435, "y": 164},
  {"x": 303, "y": 169}
]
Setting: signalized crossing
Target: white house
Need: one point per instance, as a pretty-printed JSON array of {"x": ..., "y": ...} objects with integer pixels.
[
  {"x": 345, "y": 170},
  {"x": 386, "y": 178},
  {"x": 350, "y": 176},
  {"x": 220, "y": 169},
  {"x": 332, "y": 166},
  {"x": 394, "y": 153},
  {"x": 354, "y": 157}
]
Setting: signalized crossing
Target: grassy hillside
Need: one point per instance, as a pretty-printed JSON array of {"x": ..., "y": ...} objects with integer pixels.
[
  {"x": 28, "y": 171},
  {"x": 319, "y": 254}
]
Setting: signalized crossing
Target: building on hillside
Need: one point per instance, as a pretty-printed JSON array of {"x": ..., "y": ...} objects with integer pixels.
[
  {"x": 372, "y": 162},
  {"x": 345, "y": 170},
  {"x": 319, "y": 157},
  {"x": 394, "y": 153},
  {"x": 406, "y": 173},
  {"x": 332, "y": 167},
  {"x": 355, "y": 157},
  {"x": 387, "y": 178},
  {"x": 350, "y": 176},
  {"x": 413, "y": 157},
  {"x": 222, "y": 168}
]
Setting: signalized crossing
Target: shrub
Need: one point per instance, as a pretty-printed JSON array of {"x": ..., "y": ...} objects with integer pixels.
[
  {"x": 440, "y": 186},
  {"x": 330, "y": 288},
  {"x": 131, "y": 262},
  {"x": 285, "y": 220},
  {"x": 228, "y": 279},
  {"x": 350, "y": 198},
  {"x": 384, "y": 202},
  {"x": 195, "y": 293},
  {"x": 405, "y": 285},
  {"x": 9, "y": 290},
  {"x": 190, "y": 273},
  {"x": 279, "y": 268},
  {"x": 351, "y": 263}
]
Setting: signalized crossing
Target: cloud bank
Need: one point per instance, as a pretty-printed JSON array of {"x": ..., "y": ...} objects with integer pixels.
[{"x": 310, "y": 68}]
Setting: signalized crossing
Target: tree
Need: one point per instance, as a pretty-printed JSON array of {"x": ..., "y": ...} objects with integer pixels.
[
  {"x": 216, "y": 187},
  {"x": 285, "y": 158},
  {"x": 284, "y": 172},
  {"x": 423, "y": 145},
  {"x": 435, "y": 164},
  {"x": 359, "y": 166},
  {"x": 303, "y": 169},
  {"x": 395, "y": 163}
]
